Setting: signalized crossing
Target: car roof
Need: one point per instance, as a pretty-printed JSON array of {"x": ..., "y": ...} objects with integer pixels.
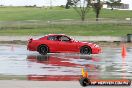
[{"x": 54, "y": 34}]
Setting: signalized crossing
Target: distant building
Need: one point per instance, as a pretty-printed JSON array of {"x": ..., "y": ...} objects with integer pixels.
[{"x": 127, "y": 5}]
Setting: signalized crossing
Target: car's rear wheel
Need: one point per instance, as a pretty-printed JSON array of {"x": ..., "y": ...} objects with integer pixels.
[
  {"x": 43, "y": 49},
  {"x": 86, "y": 50}
]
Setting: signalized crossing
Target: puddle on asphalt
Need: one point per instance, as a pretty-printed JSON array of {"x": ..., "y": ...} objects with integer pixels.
[{"x": 17, "y": 61}]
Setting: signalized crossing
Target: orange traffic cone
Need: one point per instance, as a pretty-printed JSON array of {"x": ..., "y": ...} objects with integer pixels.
[
  {"x": 84, "y": 74},
  {"x": 124, "y": 52}
]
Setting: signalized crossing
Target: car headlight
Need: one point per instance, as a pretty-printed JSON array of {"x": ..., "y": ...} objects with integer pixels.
[{"x": 96, "y": 45}]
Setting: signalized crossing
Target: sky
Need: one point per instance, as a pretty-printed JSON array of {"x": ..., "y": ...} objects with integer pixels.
[
  {"x": 32, "y": 2},
  {"x": 42, "y": 2}
]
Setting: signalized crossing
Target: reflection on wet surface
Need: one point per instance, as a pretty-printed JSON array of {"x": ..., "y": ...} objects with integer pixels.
[{"x": 16, "y": 60}]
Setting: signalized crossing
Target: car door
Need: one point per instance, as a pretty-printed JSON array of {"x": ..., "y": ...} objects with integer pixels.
[
  {"x": 67, "y": 45},
  {"x": 53, "y": 43}
]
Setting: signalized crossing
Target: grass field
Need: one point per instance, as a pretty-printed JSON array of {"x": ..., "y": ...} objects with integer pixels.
[
  {"x": 24, "y": 13},
  {"x": 79, "y": 29},
  {"x": 40, "y": 21}
]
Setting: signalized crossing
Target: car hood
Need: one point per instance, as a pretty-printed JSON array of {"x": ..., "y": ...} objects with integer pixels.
[
  {"x": 89, "y": 43},
  {"x": 86, "y": 43}
]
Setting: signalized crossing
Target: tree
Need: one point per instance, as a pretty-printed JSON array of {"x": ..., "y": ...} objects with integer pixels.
[
  {"x": 81, "y": 7},
  {"x": 97, "y": 7},
  {"x": 68, "y": 4},
  {"x": 112, "y": 3}
]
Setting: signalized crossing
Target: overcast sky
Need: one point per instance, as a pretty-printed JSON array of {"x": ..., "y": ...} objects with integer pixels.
[
  {"x": 39, "y": 2},
  {"x": 32, "y": 2}
]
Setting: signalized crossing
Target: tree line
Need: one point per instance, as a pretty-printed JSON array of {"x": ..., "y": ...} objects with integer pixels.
[{"x": 82, "y": 6}]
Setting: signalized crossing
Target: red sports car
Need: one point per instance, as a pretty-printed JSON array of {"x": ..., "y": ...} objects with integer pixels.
[{"x": 56, "y": 43}]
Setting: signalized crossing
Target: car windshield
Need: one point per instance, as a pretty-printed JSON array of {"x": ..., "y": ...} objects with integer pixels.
[{"x": 73, "y": 39}]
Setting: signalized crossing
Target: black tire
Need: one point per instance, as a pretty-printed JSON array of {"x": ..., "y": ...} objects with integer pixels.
[
  {"x": 85, "y": 82},
  {"x": 43, "y": 49},
  {"x": 86, "y": 50}
]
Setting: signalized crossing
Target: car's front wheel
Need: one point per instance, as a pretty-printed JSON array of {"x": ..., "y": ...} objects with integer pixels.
[
  {"x": 86, "y": 50},
  {"x": 43, "y": 49}
]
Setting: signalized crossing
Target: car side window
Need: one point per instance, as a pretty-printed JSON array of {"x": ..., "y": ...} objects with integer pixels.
[
  {"x": 64, "y": 38},
  {"x": 52, "y": 38}
]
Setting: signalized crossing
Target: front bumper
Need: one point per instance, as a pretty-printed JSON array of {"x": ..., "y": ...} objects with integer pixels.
[{"x": 96, "y": 50}]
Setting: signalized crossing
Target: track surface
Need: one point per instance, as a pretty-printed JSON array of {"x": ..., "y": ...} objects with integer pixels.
[{"x": 15, "y": 60}]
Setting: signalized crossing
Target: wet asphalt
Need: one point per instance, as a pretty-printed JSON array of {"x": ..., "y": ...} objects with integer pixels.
[{"x": 15, "y": 60}]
